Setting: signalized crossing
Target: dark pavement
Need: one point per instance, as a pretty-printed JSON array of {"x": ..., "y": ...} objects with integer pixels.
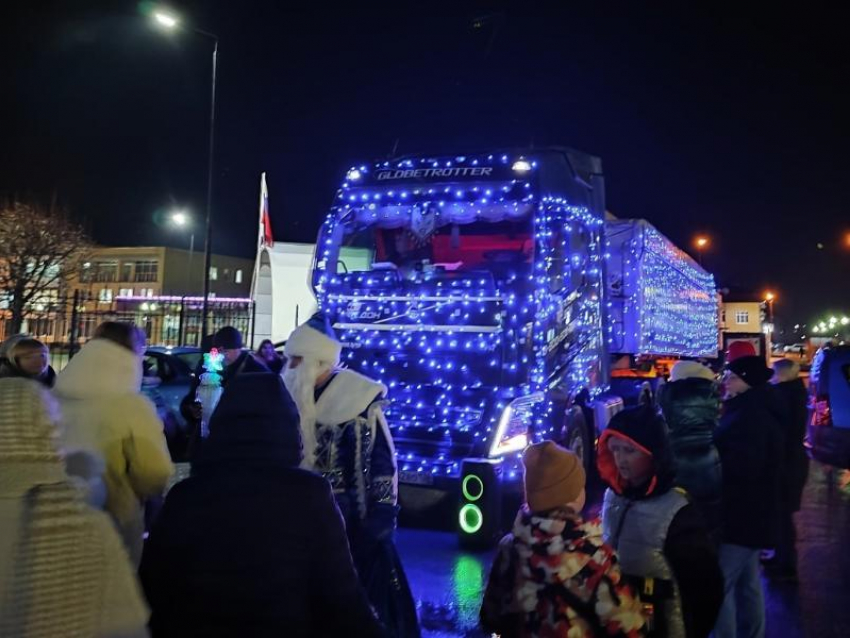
[{"x": 448, "y": 582}]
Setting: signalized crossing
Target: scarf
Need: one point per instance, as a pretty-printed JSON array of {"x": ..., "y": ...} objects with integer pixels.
[{"x": 562, "y": 564}]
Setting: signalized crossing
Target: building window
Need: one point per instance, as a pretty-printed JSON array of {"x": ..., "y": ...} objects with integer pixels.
[
  {"x": 147, "y": 271},
  {"x": 127, "y": 272},
  {"x": 722, "y": 316},
  {"x": 239, "y": 276},
  {"x": 213, "y": 273},
  {"x": 107, "y": 271},
  {"x": 105, "y": 295},
  {"x": 146, "y": 292},
  {"x": 742, "y": 317},
  {"x": 125, "y": 292},
  {"x": 225, "y": 275}
]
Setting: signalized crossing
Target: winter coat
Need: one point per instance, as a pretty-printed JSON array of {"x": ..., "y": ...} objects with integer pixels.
[
  {"x": 691, "y": 409},
  {"x": 554, "y": 576},
  {"x": 355, "y": 453},
  {"x": 680, "y": 544},
  {"x": 795, "y": 402},
  {"x": 63, "y": 568},
  {"x": 750, "y": 441},
  {"x": 105, "y": 415},
  {"x": 250, "y": 545}
]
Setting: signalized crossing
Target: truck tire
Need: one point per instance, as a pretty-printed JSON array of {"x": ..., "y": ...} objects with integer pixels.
[{"x": 577, "y": 436}]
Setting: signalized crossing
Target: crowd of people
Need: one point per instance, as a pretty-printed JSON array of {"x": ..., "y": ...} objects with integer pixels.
[
  {"x": 699, "y": 487},
  {"x": 286, "y": 524}
]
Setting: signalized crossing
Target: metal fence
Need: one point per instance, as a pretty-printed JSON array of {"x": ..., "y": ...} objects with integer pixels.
[{"x": 166, "y": 321}]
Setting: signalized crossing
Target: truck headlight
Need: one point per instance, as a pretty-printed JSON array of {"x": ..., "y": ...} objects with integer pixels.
[{"x": 512, "y": 432}]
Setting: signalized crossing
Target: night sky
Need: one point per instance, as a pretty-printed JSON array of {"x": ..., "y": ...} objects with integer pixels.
[{"x": 725, "y": 122}]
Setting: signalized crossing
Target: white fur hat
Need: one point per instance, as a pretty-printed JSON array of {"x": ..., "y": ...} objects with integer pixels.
[
  {"x": 314, "y": 340},
  {"x": 690, "y": 370}
]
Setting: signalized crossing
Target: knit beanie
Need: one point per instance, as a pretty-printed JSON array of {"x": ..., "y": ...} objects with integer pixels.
[
  {"x": 228, "y": 338},
  {"x": 554, "y": 476},
  {"x": 690, "y": 370},
  {"x": 752, "y": 370},
  {"x": 315, "y": 340},
  {"x": 738, "y": 349}
]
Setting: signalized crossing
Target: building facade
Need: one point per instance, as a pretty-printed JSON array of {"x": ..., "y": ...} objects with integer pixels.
[
  {"x": 158, "y": 288},
  {"x": 743, "y": 317},
  {"x": 155, "y": 271}
]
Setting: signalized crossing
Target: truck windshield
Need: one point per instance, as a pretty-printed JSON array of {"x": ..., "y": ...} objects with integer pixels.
[{"x": 423, "y": 239}]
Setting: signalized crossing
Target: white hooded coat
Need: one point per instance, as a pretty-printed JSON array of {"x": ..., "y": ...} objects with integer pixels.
[{"x": 104, "y": 414}]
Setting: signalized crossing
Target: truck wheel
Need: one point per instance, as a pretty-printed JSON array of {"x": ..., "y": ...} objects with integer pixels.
[{"x": 578, "y": 438}]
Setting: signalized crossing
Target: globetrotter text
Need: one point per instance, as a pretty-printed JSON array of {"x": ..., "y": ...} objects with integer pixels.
[{"x": 478, "y": 171}]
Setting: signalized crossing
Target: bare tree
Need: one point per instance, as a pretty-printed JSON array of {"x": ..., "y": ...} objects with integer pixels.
[{"x": 41, "y": 247}]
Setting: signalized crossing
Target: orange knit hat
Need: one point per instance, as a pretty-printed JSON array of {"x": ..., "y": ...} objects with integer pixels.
[{"x": 554, "y": 476}]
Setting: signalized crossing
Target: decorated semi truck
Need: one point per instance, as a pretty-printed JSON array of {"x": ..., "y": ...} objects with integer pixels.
[{"x": 497, "y": 304}]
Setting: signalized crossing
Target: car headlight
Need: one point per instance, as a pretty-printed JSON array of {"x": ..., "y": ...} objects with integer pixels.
[{"x": 512, "y": 432}]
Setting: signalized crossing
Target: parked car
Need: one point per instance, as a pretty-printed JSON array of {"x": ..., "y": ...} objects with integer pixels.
[
  {"x": 168, "y": 377},
  {"x": 829, "y": 424},
  {"x": 796, "y": 348}
]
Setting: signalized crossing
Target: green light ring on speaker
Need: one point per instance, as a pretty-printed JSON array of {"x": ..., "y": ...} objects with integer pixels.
[
  {"x": 475, "y": 512},
  {"x": 465, "y": 487}
]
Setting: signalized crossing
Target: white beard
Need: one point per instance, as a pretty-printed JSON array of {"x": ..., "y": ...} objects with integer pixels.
[{"x": 301, "y": 383}]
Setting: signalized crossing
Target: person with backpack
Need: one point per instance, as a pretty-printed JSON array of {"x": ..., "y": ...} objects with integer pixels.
[{"x": 690, "y": 403}]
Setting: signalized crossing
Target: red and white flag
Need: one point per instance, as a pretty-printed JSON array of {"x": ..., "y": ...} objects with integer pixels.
[{"x": 265, "y": 238}]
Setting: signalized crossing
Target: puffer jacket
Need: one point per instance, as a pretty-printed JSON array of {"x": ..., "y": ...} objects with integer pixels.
[
  {"x": 104, "y": 414},
  {"x": 634, "y": 518},
  {"x": 691, "y": 408}
]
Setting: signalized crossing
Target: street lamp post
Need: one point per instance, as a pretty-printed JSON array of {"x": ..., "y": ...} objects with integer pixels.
[
  {"x": 769, "y": 298},
  {"x": 181, "y": 220},
  {"x": 170, "y": 21},
  {"x": 701, "y": 242}
]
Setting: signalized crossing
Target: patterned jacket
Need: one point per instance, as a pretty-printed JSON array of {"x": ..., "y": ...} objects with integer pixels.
[
  {"x": 554, "y": 576},
  {"x": 355, "y": 452}
]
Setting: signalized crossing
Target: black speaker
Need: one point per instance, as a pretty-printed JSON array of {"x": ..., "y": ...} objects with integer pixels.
[{"x": 479, "y": 518}]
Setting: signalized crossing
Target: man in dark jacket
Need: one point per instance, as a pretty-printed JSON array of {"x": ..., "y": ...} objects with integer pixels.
[
  {"x": 791, "y": 391},
  {"x": 749, "y": 439},
  {"x": 659, "y": 535},
  {"x": 250, "y": 545},
  {"x": 691, "y": 407},
  {"x": 237, "y": 361}
]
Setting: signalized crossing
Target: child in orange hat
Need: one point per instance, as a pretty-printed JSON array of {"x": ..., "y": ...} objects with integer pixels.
[{"x": 554, "y": 575}]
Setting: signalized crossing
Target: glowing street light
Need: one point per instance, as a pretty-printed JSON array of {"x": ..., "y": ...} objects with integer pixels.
[
  {"x": 701, "y": 242},
  {"x": 165, "y": 19},
  {"x": 179, "y": 218}
]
